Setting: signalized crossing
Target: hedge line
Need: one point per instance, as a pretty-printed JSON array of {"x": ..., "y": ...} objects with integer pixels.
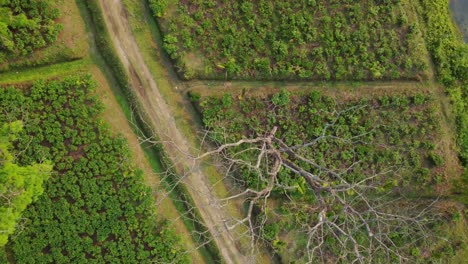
[
  {"x": 450, "y": 56},
  {"x": 184, "y": 203}
]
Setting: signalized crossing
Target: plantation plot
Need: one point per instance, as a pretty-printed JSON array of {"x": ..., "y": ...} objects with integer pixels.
[
  {"x": 41, "y": 32},
  {"x": 296, "y": 40},
  {"x": 331, "y": 181},
  {"x": 95, "y": 207}
]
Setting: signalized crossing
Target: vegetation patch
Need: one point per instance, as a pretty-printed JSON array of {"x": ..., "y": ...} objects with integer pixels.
[
  {"x": 388, "y": 142},
  {"x": 19, "y": 186},
  {"x": 181, "y": 199},
  {"x": 26, "y": 26},
  {"x": 294, "y": 40},
  {"x": 95, "y": 206}
]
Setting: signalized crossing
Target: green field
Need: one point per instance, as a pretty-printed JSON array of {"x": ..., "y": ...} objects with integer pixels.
[
  {"x": 40, "y": 33},
  {"x": 95, "y": 195},
  {"x": 352, "y": 113},
  {"x": 158, "y": 232},
  {"x": 406, "y": 122},
  {"x": 293, "y": 40}
]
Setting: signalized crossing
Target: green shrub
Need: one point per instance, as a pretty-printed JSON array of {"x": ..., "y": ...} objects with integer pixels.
[
  {"x": 436, "y": 159},
  {"x": 26, "y": 26},
  {"x": 159, "y": 7}
]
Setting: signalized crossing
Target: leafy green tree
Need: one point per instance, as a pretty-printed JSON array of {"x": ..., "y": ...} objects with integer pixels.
[{"x": 19, "y": 186}]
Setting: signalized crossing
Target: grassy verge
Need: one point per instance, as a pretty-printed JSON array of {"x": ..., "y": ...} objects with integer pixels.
[
  {"x": 130, "y": 106},
  {"x": 450, "y": 56},
  {"x": 45, "y": 72},
  {"x": 149, "y": 40},
  {"x": 117, "y": 113}
]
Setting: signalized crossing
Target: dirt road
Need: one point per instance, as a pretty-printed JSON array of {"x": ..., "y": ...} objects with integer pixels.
[{"x": 164, "y": 124}]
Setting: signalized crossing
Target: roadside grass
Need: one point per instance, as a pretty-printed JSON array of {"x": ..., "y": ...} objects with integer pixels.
[
  {"x": 70, "y": 45},
  {"x": 147, "y": 35},
  {"x": 29, "y": 75},
  {"x": 117, "y": 114}
]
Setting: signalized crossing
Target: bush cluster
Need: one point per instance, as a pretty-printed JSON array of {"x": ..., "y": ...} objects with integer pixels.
[
  {"x": 297, "y": 39},
  {"x": 26, "y": 26}
]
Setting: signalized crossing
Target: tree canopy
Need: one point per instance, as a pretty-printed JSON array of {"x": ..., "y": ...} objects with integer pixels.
[{"x": 19, "y": 186}]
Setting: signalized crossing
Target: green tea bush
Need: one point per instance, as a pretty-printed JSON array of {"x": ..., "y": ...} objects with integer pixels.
[{"x": 26, "y": 26}]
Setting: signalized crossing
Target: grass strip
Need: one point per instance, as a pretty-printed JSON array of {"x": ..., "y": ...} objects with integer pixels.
[{"x": 46, "y": 72}]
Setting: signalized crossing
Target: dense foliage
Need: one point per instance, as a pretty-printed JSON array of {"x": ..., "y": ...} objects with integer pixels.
[
  {"x": 95, "y": 207},
  {"x": 19, "y": 186},
  {"x": 26, "y": 26},
  {"x": 298, "y": 39},
  {"x": 391, "y": 136}
]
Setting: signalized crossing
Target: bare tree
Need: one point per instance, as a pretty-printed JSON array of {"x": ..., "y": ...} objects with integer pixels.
[{"x": 349, "y": 220}]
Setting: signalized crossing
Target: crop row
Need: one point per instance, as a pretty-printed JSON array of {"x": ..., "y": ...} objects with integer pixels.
[{"x": 307, "y": 40}]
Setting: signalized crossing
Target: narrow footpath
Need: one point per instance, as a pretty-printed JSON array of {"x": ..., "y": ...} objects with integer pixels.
[{"x": 174, "y": 142}]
